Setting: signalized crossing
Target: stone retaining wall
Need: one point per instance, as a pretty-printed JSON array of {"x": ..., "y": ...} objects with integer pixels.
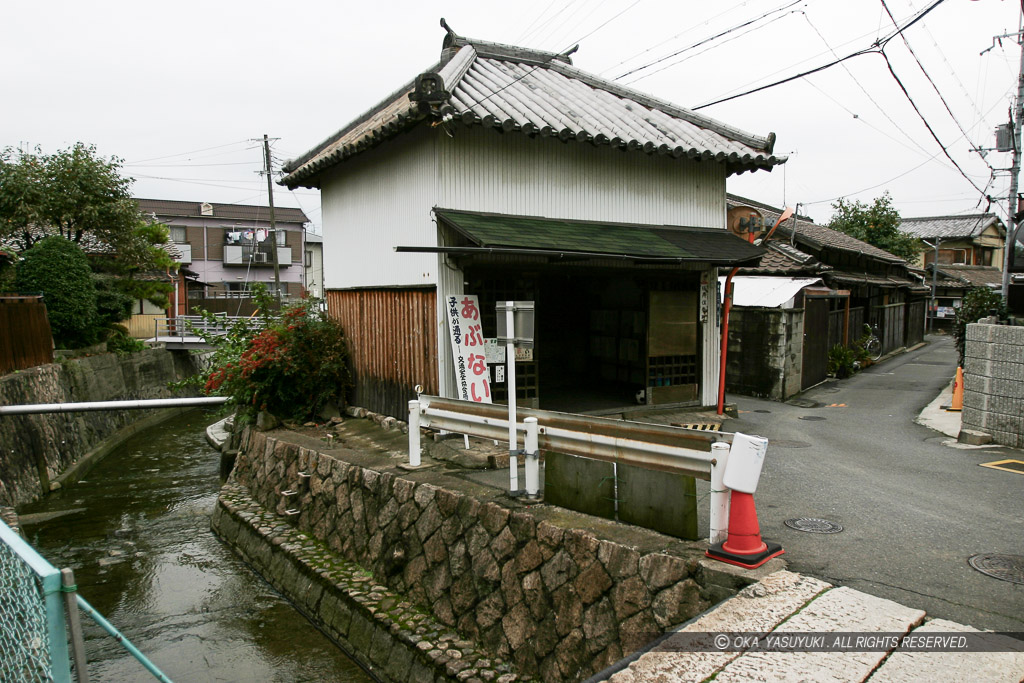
[
  {"x": 994, "y": 382},
  {"x": 383, "y": 632},
  {"x": 558, "y": 602},
  {"x": 39, "y": 449}
]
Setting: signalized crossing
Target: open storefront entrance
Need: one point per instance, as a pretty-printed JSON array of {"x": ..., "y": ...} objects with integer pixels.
[{"x": 604, "y": 340}]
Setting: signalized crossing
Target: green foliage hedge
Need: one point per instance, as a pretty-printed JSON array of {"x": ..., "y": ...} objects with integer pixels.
[{"x": 58, "y": 268}]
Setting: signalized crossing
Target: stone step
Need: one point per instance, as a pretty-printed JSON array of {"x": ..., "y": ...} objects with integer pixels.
[
  {"x": 909, "y": 667},
  {"x": 836, "y": 611},
  {"x": 756, "y": 609}
]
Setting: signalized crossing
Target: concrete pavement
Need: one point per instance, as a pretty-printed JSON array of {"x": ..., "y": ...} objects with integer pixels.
[{"x": 791, "y": 627}]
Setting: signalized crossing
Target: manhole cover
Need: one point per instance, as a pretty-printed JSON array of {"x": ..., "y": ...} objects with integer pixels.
[
  {"x": 814, "y": 526},
  {"x": 782, "y": 443},
  {"x": 1003, "y": 567},
  {"x": 803, "y": 403},
  {"x": 762, "y": 411},
  {"x": 813, "y": 418}
]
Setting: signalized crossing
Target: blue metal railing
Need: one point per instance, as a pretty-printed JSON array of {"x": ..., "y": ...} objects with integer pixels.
[{"x": 33, "y": 636}]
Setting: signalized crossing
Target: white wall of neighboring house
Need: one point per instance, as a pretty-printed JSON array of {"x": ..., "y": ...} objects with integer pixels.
[{"x": 313, "y": 263}]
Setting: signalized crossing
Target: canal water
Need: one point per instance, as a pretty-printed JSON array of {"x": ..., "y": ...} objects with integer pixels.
[{"x": 137, "y": 533}]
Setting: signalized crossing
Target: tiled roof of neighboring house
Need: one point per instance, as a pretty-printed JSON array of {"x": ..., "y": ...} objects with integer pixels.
[
  {"x": 974, "y": 276},
  {"x": 89, "y": 243},
  {"x": 593, "y": 238},
  {"x": 849, "y": 277},
  {"x": 965, "y": 226},
  {"x": 809, "y": 232},
  {"x": 782, "y": 258},
  {"x": 172, "y": 208},
  {"x": 507, "y": 88}
]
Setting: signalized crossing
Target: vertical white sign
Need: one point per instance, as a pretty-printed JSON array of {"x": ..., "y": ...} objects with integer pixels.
[{"x": 472, "y": 379}]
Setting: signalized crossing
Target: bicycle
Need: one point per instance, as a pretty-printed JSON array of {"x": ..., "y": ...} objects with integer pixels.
[{"x": 872, "y": 345}]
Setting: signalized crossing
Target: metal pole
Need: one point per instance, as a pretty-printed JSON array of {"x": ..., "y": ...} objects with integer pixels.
[
  {"x": 532, "y": 458},
  {"x": 119, "y": 637},
  {"x": 510, "y": 350},
  {"x": 1011, "y": 208},
  {"x": 88, "y": 406},
  {"x": 719, "y": 520},
  {"x": 67, "y": 579},
  {"x": 414, "y": 433}
]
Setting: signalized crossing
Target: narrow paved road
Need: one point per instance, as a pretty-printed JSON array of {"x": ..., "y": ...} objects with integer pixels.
[{"x": 913, "y": 509}]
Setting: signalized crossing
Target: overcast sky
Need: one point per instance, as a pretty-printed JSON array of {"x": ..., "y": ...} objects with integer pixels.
[{"x": 182, "y": 91}]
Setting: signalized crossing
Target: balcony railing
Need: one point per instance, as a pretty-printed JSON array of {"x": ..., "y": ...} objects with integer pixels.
[{"x": 252, "y": 255}]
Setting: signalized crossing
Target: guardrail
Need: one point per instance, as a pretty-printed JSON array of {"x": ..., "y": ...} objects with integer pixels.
[
  {"x": 698, "y": 454},
  {"x": 38, "y": 599},
  {"x": 182, "y": 326}
]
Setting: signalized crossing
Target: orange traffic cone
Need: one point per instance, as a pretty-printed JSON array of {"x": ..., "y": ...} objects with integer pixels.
[
  {"x": 744, "y": 546},
  {"x": 958, "y": 392}
]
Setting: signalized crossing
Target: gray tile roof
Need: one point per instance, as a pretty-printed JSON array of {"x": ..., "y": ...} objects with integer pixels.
[
  {"x": 975, "y": 276},
  {"x": 965, "y": 226},
  {"x": 808, "y": 232},
  {"x": 169, "y": 208},
  {"x": 782, "y": 258},
  {"x": 540, "y": 94}
]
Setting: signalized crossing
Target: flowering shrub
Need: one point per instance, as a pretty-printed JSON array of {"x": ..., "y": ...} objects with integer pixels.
[{"x": 292, "y": 368}]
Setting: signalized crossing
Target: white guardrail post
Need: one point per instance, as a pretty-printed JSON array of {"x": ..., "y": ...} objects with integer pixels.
[
  {"x": 414, "y": 433},
  {"x": 718, "y": 524},
  {"x": 532, "y": 458}
]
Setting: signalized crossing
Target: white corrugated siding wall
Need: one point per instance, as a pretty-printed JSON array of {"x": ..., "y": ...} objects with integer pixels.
[
  {"x": 377, "y": 201},
  {"x": 479, "y": 170}
]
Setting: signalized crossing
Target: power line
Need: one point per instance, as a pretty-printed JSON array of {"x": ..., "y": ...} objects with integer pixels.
[
  {"x": 906, "y": 42},
  {"x": 580, "y": 40},
  {"x": 925, "y": 122},
  {"x": 195, "y": 151},
  {"x": 669, "y": 40},
  {"x": 749, "y": 30},
  {"x": 897, "y": 177},
  {"x": 706, "y": 40},
  {"x": 862, "y": 89},
  {"x": 875, "y": 47},
  {"x": 542, "y": 29}
]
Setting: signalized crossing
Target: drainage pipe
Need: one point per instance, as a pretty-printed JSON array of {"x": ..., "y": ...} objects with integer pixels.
[{"x": 88, "y": 406}]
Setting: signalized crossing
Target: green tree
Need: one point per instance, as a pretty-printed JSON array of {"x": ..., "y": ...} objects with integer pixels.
[
  {"x": 58, "y": 268},
  {"x": 877, "y": 224},
  {"x": 290, "y": 364},
  {"x": 74, "y": 192},
  {"x": 144, "y": 253},
  {"x": 978, "y": 303}
]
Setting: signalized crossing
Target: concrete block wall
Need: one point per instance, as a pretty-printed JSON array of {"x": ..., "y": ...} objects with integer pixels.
[
  {"x": 765, "y": 352},
  {"x": 559, "y": 603},
  {"x": 994, "y": 382}
]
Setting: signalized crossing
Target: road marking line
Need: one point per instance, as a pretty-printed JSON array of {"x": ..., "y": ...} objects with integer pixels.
[{"x": 1015, "y": 466}]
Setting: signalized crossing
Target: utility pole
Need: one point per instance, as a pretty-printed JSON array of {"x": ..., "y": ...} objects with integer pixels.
[
  {"x": 273, "y": 223},
  {"x": 1011, "y": 208},
  {"x": 933, "y": 309}
]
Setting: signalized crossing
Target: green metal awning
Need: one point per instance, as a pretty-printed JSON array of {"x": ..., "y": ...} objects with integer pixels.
[{"x": 503, "y": 234}]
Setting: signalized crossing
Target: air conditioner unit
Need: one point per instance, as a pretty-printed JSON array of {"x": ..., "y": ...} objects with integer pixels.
[{"x": 260, "y": 257}]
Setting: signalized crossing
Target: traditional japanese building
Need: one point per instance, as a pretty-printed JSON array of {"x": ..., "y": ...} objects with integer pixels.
[{"x": 509, "y": 174}]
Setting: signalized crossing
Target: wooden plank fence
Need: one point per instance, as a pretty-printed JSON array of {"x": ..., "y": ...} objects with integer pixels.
[{"x": 25, "y": 337}]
